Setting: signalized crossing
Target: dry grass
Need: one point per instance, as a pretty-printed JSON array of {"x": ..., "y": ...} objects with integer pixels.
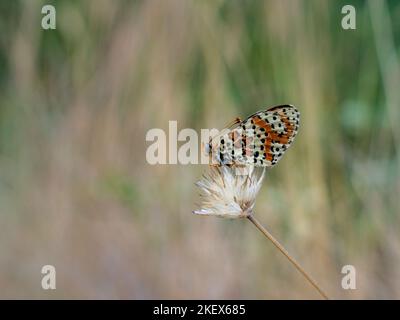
[{"x": 76, "y": 191}]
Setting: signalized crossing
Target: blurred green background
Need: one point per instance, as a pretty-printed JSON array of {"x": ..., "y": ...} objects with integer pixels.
[{"x": 76, "y": 191}]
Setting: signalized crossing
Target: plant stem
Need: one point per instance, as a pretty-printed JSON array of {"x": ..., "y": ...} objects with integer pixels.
[{"x": 287, "y": 255}]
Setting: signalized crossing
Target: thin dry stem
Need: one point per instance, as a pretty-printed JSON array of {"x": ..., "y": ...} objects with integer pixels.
[{"x": 287, "y": 255}]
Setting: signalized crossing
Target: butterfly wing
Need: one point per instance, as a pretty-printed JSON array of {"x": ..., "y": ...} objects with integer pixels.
[
  {"x": 272, "y": 132},
  {"x": 261, "y": 139}
]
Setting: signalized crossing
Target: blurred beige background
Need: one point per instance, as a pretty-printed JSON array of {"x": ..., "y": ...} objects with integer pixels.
[{"x": 76, "y": 191}]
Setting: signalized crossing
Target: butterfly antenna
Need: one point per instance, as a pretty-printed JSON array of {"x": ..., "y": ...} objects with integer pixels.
[
  {"x": 233, "y": 122},
  {"x": 226, "y": 128}
]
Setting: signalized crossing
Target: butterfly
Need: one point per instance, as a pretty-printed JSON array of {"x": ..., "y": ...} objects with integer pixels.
[{"x": 260, "y": 140}]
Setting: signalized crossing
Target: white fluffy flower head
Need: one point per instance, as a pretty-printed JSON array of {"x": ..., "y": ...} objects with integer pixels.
[{"x": 230, "y": 192}]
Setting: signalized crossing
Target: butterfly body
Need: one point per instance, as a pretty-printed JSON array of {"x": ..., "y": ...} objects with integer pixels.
[{"x": 260, "y": 140}]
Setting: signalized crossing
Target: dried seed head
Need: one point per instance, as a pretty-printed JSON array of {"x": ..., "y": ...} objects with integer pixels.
[{"x": 230, "y": 192}]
